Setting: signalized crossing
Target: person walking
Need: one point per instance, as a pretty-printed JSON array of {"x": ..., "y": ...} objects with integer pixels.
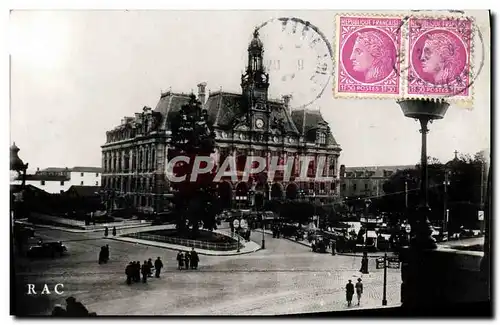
[
  {"x": 187, "y": 259},
  {"x": 106, "y": 232},
  {"x": 194, "y": 259},
  {"x": 129, "y": 271},
  {"x": 150, "y": 268},
  {"x": 114, "y": 231},
  {"x": 359, "y": 289},
  {"x": 349, "y": 291},
  {"x": 106, "y": 253},
  {"x": 158, "y": 267},
  {"x": 137, "y": 271},
  {"x": 180, "y": 260},
  {"x": 75, "y": 308},
  {"x": 145, "y": 271}
]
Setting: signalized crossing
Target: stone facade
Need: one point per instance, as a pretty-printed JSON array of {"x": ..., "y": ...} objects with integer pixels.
[
  {"x": 245, "y": 124},
  {"x": 366, "y": 181}
]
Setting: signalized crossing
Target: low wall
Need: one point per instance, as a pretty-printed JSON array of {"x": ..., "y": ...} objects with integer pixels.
[
  {"x": 441, "y": 277},
  {"x": 77, "y": 224},
  {"x": 186, "y": 242}
]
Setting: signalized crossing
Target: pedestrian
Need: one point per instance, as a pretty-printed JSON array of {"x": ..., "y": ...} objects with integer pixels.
[
  {"x": 145, "y": 271},
  {"x": 194, "y": 259},
  {"x": 186, "y": 260},
  {"x": 180, "y": 260},
  {"x": 359, "y": 289},
  {"x": 59, "y": 311},
  {"x": 101, "y": 255},
  {"x": 106, "y": 253},
  {"x": 158, "y": 266},
  {"x": 75, "y": 308},
  {"x": 137, "y": 271},
  {"x": 349, "y": 291},
  {"x": 129, "y": 271},
  {"x": 106, "y": 231},
  {"x": 150, "y": 268},
  {"x": 114, "y": 231}
]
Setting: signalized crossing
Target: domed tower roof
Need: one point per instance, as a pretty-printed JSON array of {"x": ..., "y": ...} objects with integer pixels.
[{"x": 256, "y": 43}]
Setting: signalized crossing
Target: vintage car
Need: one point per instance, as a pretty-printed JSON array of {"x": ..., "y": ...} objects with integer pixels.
[{"x": 48, "y": 249}]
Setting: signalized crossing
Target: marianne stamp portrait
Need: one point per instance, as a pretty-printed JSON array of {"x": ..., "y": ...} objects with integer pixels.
[
  {"x": 367, "y": 51},
  {"x": 439, "y": 57}
]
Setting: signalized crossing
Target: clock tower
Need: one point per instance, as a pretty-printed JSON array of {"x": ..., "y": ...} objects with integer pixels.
[{"x": 255, "y": 85}]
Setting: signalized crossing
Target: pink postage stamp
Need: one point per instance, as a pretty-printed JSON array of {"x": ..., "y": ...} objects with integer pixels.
[
  {"x": 367, "y": 52},
  {"x": 439, "y": 57}
]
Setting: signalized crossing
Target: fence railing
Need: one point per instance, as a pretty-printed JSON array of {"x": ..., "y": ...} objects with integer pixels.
[{"x": 186, "y": 242}]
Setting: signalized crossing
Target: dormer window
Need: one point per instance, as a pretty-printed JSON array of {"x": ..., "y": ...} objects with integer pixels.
[{"x": 321, "y": 138}]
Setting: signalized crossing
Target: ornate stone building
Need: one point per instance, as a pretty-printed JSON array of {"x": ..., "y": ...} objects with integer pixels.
[{"x": 246, "y": 124}]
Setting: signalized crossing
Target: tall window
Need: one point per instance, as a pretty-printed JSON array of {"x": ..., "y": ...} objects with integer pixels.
[
  {"x": 96, "y": 174},
  {"x": 42, "y": 183},
  {"x": 321, "y": 138},
  {"x": 62, "y": 183},
  {"x": 81, "y": 174},
  {"x": 354, "y": 187},
  {"x": 81, "y": 183},
  {"x": 366, "y": 186}
]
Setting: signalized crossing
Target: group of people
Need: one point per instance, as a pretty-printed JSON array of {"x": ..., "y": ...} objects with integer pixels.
[
  {"x": 135, "y": 269},
  {"x": 106, "y": 231},
  {"x": 73, "y": 309},
  {"x": 104, "y": 254},
  {"x": 188, "y": 260},
  {"x": 349, "y": 288}
]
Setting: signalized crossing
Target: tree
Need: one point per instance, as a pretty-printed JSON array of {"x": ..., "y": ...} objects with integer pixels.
[
  {"x": 463, "y": 192},
  {"x": 467, "y": 190},
  {"x": 193, "y": 136}
]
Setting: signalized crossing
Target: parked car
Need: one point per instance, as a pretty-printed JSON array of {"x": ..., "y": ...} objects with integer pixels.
[{"x": 49, "y": 249}]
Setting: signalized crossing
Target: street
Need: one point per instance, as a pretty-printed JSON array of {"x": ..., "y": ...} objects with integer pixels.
[{"x": 286, "y": 277}]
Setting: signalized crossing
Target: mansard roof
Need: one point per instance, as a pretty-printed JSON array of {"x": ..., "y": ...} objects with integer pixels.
[
  {"x": 308, "y": 121},
  {"x": 224, "y": 108},
  {"x": 169, "y": 104}
]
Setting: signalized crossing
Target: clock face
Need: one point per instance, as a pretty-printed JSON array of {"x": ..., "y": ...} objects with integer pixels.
[
  {"x": 259, "y": 123},
  {"x": 298, "y": 59}
]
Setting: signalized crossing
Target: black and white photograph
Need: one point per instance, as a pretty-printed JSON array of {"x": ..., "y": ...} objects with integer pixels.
[{"x": 250, "y": 163}]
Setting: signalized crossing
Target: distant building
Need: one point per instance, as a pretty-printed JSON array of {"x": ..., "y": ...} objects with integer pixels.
[
  {"x": 367, "y": 181},
  {"x": 57, "y": 180}
]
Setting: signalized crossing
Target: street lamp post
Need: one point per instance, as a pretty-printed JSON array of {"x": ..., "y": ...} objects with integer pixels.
[
  {"x": 367, "y": 205},
  {"x": 424, "y": 110},
  {"x": 384, "y": 292},
  {"x": 237, "y": 225},
  {"x": 446, "y": 183},
  {"x": 263, "y": 246}
]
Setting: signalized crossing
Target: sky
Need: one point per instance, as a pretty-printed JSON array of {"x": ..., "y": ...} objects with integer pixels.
[{"x": 76, "y": 74}]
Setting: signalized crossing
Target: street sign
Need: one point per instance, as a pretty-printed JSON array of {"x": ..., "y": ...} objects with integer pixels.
[
  {"x": 380, "y": 263},
  {"x": 393, "y": 262},
  {"x": 236, "y": 223},
  {"x": 408, "y": 229},
  {"x": 480, "y": 215},
  {"x": 243, "y": 224}
]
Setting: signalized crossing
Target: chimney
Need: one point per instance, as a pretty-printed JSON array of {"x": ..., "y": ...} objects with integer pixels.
[
  {"x": 286, "y": 101},
  {"x": 201, "y": 92}
]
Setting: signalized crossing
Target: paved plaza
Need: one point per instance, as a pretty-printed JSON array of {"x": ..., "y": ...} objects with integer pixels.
[{"x": 283, "y": 278}]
